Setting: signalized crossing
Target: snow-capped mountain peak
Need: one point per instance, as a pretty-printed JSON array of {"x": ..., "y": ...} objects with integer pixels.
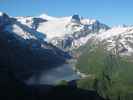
[
  {"x": 47, "y": 17},
  {"x": 62, "y": 30},
  {"x": 74, "y": 27}
]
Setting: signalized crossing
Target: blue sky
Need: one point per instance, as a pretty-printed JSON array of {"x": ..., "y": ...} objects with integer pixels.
[{"x": 111, "y": 12}]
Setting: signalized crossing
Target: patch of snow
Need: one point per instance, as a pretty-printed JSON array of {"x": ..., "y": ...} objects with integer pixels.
[
  {"x": 25, "y": 20},
  {"x": 1, "y": 13},
  {"x": 81, "y": 41},
  {"x": 113, "y": 32},
  {"x": 45, "y": 16},
  {"x": 19, "y": 31},
  {"x": 54, "y": 28},
  {"x": 88, "y": 21}
]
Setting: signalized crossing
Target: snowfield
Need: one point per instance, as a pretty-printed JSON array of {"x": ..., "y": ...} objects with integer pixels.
[{"x": 69, "y": 32}]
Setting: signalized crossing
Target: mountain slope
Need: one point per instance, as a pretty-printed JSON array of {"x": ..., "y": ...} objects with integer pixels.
[
  {"x": 24, "y": 52},
  {"x": 110, "y": 74},
  {"x": 64, "y": 31},
  {"x": 119, "y": 38},
  {"x": 106, "y": 61}
]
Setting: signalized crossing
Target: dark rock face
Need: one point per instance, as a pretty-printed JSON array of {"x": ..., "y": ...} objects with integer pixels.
[
  {"x": 36, "y": 22},
  {"x": 75, "y": 19},
  {"x": 97, "y": 26},
  {"x": 4, "y": 20}
]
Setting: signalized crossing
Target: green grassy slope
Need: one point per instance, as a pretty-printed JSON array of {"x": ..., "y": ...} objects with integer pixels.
[{"x": 111, "y": 75}]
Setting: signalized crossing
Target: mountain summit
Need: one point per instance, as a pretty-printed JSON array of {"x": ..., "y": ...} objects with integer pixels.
[
  {"x": 63, "y": 32},
  {"x": 67, "y": 33}
]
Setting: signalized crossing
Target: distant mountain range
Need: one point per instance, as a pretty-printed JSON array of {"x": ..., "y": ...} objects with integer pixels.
[
  {"x": 39, "y": 49},
  {"x": 64, "y": 32},
  {"x": 67, "y": 33},
  {"x": 45, "y": 40}
]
